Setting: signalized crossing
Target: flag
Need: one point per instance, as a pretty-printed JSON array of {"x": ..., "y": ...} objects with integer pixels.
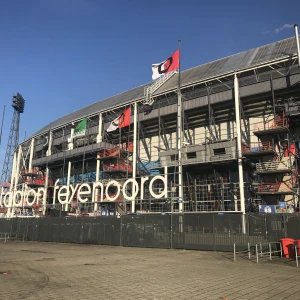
[
  {"x": 45, "y": 140},
  {"x": 169, "y": 65},
  {"x": 147, "y": 109},
  {"x": 121, "y": 121},
  {"x": 80, "y": 129}
]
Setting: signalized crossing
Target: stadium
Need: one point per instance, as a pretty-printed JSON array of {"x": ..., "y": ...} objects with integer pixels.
[{"x": 220, "y": 137}]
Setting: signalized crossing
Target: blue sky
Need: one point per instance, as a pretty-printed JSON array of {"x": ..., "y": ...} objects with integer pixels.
[{"x": 62, "y": 55}]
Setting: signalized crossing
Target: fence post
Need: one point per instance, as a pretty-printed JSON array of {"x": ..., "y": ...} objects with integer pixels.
[
  {"x": 249, "y": 250},
  {"x": 234, "y": 252},
  {"x": 266, "y": 227},
  {"x": 121, "y": 230},
  {"x": 284, "y": 217},
  {"x": 256, "y": 251},
  {"x": 214, "y": 238},
  {"x": 171, "y": 230}
]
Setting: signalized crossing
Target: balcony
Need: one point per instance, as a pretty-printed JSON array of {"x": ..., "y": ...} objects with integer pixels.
[
  {"x": 283, "y": 166},
  {"x": 276, "y": 125},
  {"x": 31, "y": 172},
  {"x": 258, "y": 149},
  {"x": 275, "y": 188}
]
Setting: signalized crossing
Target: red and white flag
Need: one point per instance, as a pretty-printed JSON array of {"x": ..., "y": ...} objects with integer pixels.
[
  {"x": 168, "y": 65},
  {"x": 122, "y": 121}
]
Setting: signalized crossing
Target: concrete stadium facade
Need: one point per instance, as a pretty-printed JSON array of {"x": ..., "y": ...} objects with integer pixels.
[{"x": 228, "y": 140}]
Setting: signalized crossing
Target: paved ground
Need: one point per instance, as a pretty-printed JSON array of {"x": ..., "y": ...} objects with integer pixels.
[{"x": 68, "y": 271}]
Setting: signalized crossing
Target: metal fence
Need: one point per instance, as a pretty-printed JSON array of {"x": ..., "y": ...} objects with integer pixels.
[{"x": 203, "y": 231}]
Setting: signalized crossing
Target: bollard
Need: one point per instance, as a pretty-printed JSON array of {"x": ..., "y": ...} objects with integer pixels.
[{"x": 256, "y": 251}]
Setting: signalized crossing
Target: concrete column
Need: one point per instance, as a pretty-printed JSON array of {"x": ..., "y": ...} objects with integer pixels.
[
  {"x": 179, "y": 147},
  {"x": 31, "y": 154},
  {"x": 134, "y": 158},
  {"x": 68, "y": 184},
  {"x": 239, "y": 142},
  {"x": 49, "y": 152},
  {"x": 70, "y": 140},
  {"x": 100, "y": 127},
  {"x": 13, "y": 188},
  {"x": 12, "y": 183},
  {"x": 97, "y": 190},
  {"x": 46, "y": 189}
]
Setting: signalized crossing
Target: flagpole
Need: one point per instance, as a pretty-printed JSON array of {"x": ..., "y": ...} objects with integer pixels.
[{"x": 179, "y": 136}]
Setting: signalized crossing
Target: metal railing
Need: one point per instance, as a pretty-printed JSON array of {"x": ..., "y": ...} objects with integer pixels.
[
  {"x": 257, "y": 147},
  {"x": 34, "y": 171},
  {"x": 274, "y": 187},
  {"x": 5, "y": 236},
  {"x": 248, "y": 251},
  {"x": 272, "y": 166},
  {"x": 278, "y": 122},
  {"x": 266, "y": 249}
]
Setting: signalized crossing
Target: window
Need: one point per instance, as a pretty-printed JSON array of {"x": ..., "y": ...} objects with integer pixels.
[
  {"x": 174, "y": 157},
  {"x": 191, "y": 155},
  {"x": 219, "y": 151}
]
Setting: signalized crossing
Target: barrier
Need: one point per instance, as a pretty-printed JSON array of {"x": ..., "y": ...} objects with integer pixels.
[
  {"x": 297, "y": 252},
  {"x": 243, "y": 251},
  {"x": 195, "y": 231},
  {"x": 269, "y": 251},
  {"x": 5, "y": 236}
]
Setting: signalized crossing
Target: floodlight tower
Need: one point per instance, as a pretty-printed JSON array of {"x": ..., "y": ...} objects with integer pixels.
[{"x": 18, "y": 103}]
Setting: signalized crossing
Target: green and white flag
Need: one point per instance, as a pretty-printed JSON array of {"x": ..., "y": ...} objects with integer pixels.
[{"x": 80, "y": 129}]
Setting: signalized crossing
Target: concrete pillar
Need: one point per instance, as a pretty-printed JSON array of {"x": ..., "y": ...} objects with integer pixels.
[
  {"x": 239, "y": 142},
  {"x": 31, "y": 154},
  {"x": 135, "y": 149},
  {"x": 68, "y": 184},
  {"x": 100, "y": 127}
]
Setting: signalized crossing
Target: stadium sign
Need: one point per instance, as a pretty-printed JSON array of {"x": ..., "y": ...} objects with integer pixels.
[{"x": 65, "y": 194}]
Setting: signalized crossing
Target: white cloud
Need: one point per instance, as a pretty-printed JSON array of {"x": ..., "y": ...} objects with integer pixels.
[{"x": 285, "y": 26}]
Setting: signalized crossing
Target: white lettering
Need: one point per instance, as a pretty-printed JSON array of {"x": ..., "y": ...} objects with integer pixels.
[
  {"x": 17, "y": 197},
  {"x": 164, "y": 179},
  {"x": 96, "y": 187},
  {"x": 113, "y": 183},
  {"x": 41, "y": 193},
  {"x": 31, "y": 194},
  {"x": 7, "y": 199},
  {"x": 135, "y": 189},
  {"x": 143, "y": 180},
  {"x": 73, "y": 192},
  {"x": 55, "y": 188},
  {"x": 63, "y": 196},
  {"x": 80, "y": 192}
]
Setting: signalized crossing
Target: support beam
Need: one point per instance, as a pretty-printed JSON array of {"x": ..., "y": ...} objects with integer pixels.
[
  {"x": 31, "y": 154},
  {"x": 15, "y": 174},
  {"x": 70, "y": 140},
  {"x": 68, "y": 183},
  {"x": 49, "y": 151},
  {"x": 187, "y": 133},
  {"x": 297, "y": 43},
  {"x": 246, "y": 132},
  {"x": 46, "y": 189},
  {"x": 100, "y": 126},
  {"x": 135, "y": 149},
  {"x": 239, "y": 142},
  {"x": 97, "y": 190},
  {"x": 179, "y": 147},
  {"x": 163, "y": 135},
  {"x": 143, "y": 140},
  {"x": 12, "y": 183}
]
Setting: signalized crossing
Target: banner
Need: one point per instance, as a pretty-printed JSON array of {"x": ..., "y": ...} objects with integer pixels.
[{"x": 80, "y": 128}]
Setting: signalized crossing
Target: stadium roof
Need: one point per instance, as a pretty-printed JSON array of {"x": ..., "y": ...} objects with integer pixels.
[{"x": 227, "y": 65}]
